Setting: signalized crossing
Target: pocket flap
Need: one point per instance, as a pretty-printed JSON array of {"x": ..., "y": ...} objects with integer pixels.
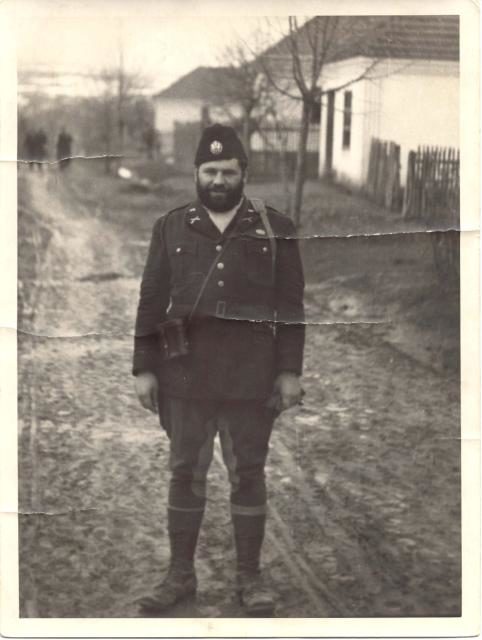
[
  {"x": 261, "y": 246},
  {"x": 183, "y": 248}
]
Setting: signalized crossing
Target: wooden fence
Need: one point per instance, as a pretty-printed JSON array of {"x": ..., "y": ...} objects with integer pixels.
[
  {"x": 383, "y": 178},
  {"x": 432, "y": 186},
  {"x": 284, "y": 138},
  {"x": 272, "y": 165},
  {"x": 431, "y": 195},
  {"x": 273, "y": 152}
]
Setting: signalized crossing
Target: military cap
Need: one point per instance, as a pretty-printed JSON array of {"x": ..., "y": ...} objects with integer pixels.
[{"x": 219, "y": 142}]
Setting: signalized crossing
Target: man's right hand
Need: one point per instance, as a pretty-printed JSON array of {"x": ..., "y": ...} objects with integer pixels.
[{"x": 147, "y": 389}]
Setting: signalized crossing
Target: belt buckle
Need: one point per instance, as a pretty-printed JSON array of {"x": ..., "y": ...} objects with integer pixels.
[{"x": 221, "y": 308}]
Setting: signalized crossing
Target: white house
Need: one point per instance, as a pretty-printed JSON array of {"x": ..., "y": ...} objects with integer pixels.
[
  {"x": 395, "y": 78},
  {"x": 410, "y": 96},
  {"x": 408, "y": 92}
]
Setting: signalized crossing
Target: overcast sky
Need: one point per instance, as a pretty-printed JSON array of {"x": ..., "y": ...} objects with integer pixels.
[{"x": 86, "y": 37}]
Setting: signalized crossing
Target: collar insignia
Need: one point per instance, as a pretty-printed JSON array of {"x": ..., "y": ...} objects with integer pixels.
[
  {"x": 216, "y": 147},
  {"x": 195, "y": 219},
  {"x": 261, "y": 232}
]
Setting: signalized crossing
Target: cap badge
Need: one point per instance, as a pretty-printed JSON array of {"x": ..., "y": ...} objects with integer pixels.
[{"x": 216, "y": 147}]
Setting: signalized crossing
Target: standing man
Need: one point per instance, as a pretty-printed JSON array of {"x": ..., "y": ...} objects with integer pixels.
[
  {"x": 64, "y": 149},
  {"x": 29, "y": 148},
  {"x": 219, "y": 349},
  {"x": 40, "y": 148}
]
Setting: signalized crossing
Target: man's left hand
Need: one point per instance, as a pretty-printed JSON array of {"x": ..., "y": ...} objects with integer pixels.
[{"x": 287, "y": 391}]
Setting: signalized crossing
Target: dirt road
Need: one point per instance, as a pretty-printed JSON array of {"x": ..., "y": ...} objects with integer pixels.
[{"x": 364, "y": 479}]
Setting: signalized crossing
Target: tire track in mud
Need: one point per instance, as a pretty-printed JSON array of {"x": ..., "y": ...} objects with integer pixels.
[
  {"x": 329, "y": 533},
  {"x": 317, "y": 594},
  {"x": 46, "y": 261},
  {"x": 42, "y": 264}
]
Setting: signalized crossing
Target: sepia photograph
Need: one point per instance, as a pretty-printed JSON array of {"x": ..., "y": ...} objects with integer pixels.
[{"x": 239, "y": 368}]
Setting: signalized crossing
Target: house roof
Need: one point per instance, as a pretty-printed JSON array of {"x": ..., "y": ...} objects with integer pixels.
[
  {"x": 425, "y": 37},
  {"x": 203, "y": 83},
  {"x": 428, "y": 37}
]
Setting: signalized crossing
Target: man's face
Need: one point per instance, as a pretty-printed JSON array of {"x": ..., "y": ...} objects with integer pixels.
[{"x": 220, "y": 184}]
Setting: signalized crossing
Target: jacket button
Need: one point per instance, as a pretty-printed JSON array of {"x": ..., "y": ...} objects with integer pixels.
[
  {"x": 220, "y": 265},
  {"x": 178, "y": 250},
  {"x": 265, "y": 249},
  {"x": 221, "y": 283},
  {"x": 218, "y": 248}
]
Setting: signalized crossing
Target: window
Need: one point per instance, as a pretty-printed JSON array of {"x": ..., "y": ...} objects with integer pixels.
[{"x": 347, "y": 111}]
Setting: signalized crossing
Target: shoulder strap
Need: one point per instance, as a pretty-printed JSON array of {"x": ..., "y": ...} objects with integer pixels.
[{"x": 260, "y": 207}]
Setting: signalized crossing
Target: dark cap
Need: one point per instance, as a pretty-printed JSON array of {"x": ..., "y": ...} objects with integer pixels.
[{"x": 219, "y": 142}]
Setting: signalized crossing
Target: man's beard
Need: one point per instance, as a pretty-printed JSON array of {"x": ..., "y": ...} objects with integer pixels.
[{"x": 219, "y": 199}]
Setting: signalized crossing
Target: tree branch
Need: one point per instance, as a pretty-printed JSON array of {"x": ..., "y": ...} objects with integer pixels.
[
  {"x": 295, "y": 55},
  {"x": 354, "y": 80}
]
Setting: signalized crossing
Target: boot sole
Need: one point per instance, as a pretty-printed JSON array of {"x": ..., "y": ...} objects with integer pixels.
[
  {"x": 257, "y": 611},
  {"x": 153, "y": 610}
]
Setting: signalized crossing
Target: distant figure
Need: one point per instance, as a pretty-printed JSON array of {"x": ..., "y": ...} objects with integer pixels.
[
  {"x": 39, "y": 148},
  {"x": 64, "y": 149},
  {"x": 35, "y": 148},
  {"x": 29, "y": 149},
  {"x": 150, "y": 139}
]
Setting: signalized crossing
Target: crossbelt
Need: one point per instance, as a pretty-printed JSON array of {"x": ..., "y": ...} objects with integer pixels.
[{"x": 260, "y": 207}]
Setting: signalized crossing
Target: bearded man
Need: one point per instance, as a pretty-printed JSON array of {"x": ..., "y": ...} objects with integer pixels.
[{"x": 219, "y": 350}]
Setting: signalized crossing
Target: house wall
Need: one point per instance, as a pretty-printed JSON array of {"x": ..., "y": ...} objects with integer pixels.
[
  {"x": 409, "y": 102},
  {"x": 347, "y": 163},
  {"x": 167, "y": 111},
  {"x": 420, "y": 109}
]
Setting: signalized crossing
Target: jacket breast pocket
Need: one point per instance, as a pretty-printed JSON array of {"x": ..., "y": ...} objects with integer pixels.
[
  {"x": 258, "y": 261},
  {"x": 183, "y": 260}
]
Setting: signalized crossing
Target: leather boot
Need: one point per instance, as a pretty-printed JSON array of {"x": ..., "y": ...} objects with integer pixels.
[
  {"x": 254, "y": 594},
  {"x": 180, "y": 581}
]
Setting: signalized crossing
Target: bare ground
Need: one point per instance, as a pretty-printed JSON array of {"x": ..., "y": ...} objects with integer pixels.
[{"x": 364, "y": 479}]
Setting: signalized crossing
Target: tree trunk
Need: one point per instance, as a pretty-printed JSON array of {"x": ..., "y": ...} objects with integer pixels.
[
  {"x": 246, "y": 133},
  {"x": 300, "y": 173},
  {"x": 284, "y": 174}
]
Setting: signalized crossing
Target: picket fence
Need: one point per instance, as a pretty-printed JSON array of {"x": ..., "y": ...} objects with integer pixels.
[
  {"x": 433, "y": 185},
  {"x": 383, "y": 177}
]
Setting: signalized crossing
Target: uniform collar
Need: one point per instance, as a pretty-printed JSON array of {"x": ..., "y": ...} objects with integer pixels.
[
  {"x": 197, "y": 218},
  {"x": 247, "y": 216}
]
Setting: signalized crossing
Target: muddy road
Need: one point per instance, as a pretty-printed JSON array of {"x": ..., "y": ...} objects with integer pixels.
[{"x": 364, "y": 479}]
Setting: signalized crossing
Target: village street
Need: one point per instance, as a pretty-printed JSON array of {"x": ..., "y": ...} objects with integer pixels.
[{"x": 364, "y": 478}]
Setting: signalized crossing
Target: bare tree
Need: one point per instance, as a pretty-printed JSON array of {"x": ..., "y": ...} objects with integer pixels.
[
  {"x": 121, "y": 87},
  {"x": 241, "y": 88},
  {"x": 244, "y": 88},
  {"x": 295, "y": 67}
]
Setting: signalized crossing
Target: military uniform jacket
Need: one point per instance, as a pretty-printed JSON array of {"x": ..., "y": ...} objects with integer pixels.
[{"x": 249, "y": 324}]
